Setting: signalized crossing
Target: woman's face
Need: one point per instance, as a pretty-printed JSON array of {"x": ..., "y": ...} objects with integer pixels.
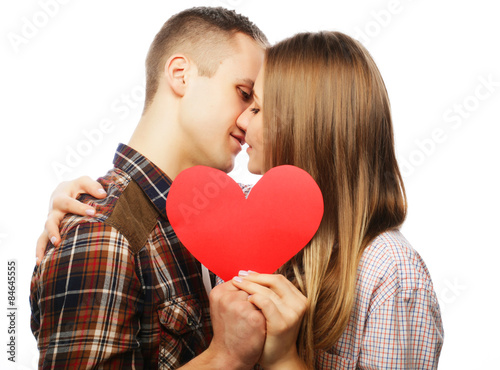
[{"x": 250, "y": 121}]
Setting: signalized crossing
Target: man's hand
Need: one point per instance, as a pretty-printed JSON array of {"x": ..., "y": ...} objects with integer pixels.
[
  {"x": 63, "y": 201},
  {"x": 239, "y": 330}
]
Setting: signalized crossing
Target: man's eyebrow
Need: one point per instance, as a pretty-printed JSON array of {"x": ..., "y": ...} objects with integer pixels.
[{"x": 246, "y": 81}]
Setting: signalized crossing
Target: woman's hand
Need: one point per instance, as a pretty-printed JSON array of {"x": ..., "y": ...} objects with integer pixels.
[
  {"x": 283, "y": 306},
  {"x": 63, "y": 201}
]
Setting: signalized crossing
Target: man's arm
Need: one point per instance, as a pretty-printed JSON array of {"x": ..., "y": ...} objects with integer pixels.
[{"x": 85, "y": 299}]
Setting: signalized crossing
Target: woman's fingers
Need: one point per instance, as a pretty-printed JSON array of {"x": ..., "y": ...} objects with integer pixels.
[
  {"x": 63, "y": 198},
  {"x": 270, "y": 290},
  {"x": 41, "y": 244},
  {"x": 81, "y": 185},
  {"x": 52, "y": 223},
  {"x": 280, "y": 285},
  {"x": 50, "y": 232},
  {"x": 63, "y": 201},
  {"x": 85, "y": 185},
  {"x": 252, "y": 288},
  {"x": 283, "y": 314},
  {"x": 272, "y": 310},
  {"x": 283, "y": 307}
]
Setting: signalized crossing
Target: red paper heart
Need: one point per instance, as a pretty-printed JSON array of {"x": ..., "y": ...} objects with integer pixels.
[{"x": 227, "y": 232}]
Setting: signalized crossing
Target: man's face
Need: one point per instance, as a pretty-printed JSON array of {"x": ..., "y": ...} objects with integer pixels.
[{"x": 211, "y": 106}]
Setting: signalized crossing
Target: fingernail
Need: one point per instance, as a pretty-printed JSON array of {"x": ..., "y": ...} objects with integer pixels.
[
  {"x": 90, "y": 212},
  {"x": 101, "y": 191},
  {"x": 53, "y": 240},
  {"x": 242, "y": 273},
  {"x": 37, "y": 259},
  {"x": 252, "y": 272},
  {"x": 238, "y": 279}
]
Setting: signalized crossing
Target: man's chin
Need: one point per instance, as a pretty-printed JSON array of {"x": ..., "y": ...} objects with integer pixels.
[{"x": 225, "y": 167}]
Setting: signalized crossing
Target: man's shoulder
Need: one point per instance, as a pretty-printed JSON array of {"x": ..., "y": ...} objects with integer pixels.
[
  {"x": 114, "y": 183},
  {"x": 126, "y": 209}
]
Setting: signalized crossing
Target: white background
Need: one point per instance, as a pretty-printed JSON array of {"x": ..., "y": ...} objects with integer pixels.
[{"x": 67, "y": 69}]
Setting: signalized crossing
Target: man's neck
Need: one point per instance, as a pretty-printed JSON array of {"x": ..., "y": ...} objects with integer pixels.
[{"x": 156, "y": 138}]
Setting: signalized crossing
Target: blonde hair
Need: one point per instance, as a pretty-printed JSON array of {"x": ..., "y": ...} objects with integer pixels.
[{"x": 326, "y": 110}]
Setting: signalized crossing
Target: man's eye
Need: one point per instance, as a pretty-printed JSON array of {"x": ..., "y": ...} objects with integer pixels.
[{"x": 244, "y": 94}]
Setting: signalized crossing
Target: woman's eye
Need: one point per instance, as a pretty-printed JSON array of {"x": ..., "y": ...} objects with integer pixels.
[{"x": 255, "y": 110}]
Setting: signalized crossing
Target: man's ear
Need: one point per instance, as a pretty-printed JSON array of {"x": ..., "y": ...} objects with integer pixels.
[{"x": 176, "y": 71}]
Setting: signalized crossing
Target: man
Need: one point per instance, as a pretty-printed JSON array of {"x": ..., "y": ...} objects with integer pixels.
[{"x": 121, "y": 291}]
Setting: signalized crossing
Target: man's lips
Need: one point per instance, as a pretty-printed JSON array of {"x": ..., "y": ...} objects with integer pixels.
[{"x": 240, "y": 138}]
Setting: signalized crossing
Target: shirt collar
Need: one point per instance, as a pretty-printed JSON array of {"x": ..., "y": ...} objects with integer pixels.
[{"x": 153, "y": 181}]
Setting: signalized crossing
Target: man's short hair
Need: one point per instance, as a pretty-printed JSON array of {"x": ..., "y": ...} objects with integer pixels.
[{"x": 201, "y": 33}]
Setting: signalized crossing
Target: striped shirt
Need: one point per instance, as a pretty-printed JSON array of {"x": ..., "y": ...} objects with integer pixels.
[
  {"x": 396, "y": 321},
  {"x": 120, "y": 291}
]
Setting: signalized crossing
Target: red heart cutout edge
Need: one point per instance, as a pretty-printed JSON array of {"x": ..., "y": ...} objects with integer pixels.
[{"x": 227, "y": 232}]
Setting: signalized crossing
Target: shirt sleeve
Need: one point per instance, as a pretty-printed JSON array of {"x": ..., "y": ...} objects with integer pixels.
[
  {"x": 404, "y": 332},
  {"x": 85, "y": 302}
]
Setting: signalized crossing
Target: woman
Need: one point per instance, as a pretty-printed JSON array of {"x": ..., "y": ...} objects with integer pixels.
[{"x": 321, "y": 104}]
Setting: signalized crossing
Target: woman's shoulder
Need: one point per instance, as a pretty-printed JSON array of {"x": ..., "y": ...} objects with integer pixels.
[{"x": 390, "y": 261}]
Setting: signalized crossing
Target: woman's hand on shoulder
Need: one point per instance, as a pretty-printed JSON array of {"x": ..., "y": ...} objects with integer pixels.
[
  {"x": 63, "y": 201},
  {"x": 283, "y": 306}
]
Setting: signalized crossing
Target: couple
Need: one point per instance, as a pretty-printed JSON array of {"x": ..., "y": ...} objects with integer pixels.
[{"x": 120, "y": 291}]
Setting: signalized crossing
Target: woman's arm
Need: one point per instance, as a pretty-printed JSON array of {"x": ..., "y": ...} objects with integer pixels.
[
  {"x": 63, "y": 201},
  {"x": 403, "y": 332},
  {"x": 283, "y": 306}
]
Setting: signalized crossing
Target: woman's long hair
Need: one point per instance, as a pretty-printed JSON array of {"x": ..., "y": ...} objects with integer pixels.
[{"x": 326, "y": 110}]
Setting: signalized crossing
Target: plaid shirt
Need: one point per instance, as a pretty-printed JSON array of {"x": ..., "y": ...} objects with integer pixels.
[
  {"x": 396, "y": 321},
  {"x": 120, "y": 291}
]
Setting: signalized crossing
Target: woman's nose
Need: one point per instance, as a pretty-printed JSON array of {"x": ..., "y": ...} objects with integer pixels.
[{"x": 242, "y": 121}]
